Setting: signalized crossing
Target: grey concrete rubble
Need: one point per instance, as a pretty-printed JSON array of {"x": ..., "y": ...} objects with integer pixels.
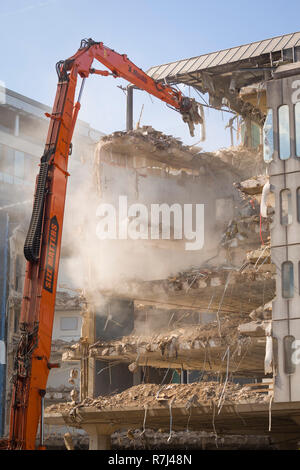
[
  {"x": 264, "y": 312},
  {"x": 252, "y": 185},
  {"x": 151, "y": 439},
  {"x": 177, "y": 394},
  {"x": 154, "y": 145},
  {"x": 246, "y": 161}
]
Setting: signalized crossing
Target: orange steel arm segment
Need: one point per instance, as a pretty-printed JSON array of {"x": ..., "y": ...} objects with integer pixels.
[
  {"x": 43, "y": 241},
  {"x": 42, "y": 250},
  {"x": 122, "y": 67}
]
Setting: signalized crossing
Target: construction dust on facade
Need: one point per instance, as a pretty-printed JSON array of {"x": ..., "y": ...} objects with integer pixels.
[{"x": 160, "y": 346}]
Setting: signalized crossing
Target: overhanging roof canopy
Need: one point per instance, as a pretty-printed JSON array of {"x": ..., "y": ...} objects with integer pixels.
[{"x": 223, "y": 73}]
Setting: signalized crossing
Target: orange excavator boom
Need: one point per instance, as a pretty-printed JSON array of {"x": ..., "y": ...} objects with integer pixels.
[{"x": 43, "y": 241}]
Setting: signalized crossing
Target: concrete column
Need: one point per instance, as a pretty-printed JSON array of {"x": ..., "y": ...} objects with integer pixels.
[
  {"x": 137, "y": 375},
  {"x": 100, "y": 442},
  {"x": 99, "y": 435},
  {"x": 17, "y": 125},
  {"x": 129, "y": 108}
]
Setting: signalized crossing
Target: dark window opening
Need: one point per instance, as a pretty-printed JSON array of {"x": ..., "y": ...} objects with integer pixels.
[{"x": 286, "y": 207}]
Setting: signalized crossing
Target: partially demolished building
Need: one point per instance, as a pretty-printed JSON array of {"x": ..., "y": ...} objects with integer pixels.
[
  {"x": 188, "y": 348},
  {"x": 197, "y": 318},
  {"x": 205, "y": 353}
]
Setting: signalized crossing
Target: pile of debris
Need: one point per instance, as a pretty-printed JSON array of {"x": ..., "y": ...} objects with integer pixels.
[
  {"x": 66, "y": 301},
  {"x": 202, "y": 278},
  {"x": 259, "y": 260},
  {"x": 247, "y": 228},
  {"x": 152, "y": 395},
  {"x": 252, "y": 186},
  {"x": 171, "y": 343},
  {"x": 248, "y": 161},
  {"x": 160, "y": 440},
  {"x": 246, "y": 232},
  {"x": 154, "y": 145}
]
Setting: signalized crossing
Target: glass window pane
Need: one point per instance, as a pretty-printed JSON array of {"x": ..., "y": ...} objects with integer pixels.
[
  {"x": 268, "y": 139},
  {"x": 284, "y": 132},
  {"x": 286, "y": 207},
  {"x": 289, "y": 366},
  {"x": 297, "y": 127},
  {"x": 19, "y": 164},
  {"x": 69, "y": 323},
  {"x": 287, "y": 274}
]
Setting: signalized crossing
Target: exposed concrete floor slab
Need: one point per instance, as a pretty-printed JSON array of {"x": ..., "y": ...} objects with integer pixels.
[{"x": 242, "y": 419}]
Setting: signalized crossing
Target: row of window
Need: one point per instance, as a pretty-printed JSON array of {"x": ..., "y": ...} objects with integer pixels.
[{"x": 283, "y": 132}]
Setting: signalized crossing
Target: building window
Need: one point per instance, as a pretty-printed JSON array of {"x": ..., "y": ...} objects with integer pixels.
[
  {"x": 19, "y": 164},
  {"x": 11, "y": 165},
  {"x": 268, "y": 140},
  {"x": 289, "y": 365},
  {"x": 286, "y": 217},
  {"x": 68, "y": 323},
  {"x": 297, "y": 127},
  {"x": 284, "y": 132},
  {"x": 287, "y": 275}
]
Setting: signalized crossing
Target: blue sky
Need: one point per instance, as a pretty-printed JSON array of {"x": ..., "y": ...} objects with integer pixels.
[{"x": 35, "y": 34}]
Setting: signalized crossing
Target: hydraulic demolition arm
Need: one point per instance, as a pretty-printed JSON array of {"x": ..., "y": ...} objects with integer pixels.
[{"x": 43, "y": 241}]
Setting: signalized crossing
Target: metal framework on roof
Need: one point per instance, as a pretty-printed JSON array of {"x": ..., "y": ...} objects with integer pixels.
[{"x": 222, "y": 74}]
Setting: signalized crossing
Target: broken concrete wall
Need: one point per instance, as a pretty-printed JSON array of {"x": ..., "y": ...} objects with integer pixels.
[{"x": 151, "y": 168}]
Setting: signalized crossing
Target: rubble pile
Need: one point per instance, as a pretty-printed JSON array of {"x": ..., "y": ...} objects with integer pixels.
[
  {"x": 158, "y": 146},
  {"x": 259, "y": 261},
  {"x": 202, "y": 278},
  {"x": 253, "y": 185},
  {"x": 151, "y": 439},
  {"x": 246, "y": 160},
  {"x": 264, "y": 312},
  {"x": 66, "y": 301},
  {"x": 160, "y": 440},
  {"x": 60, "y": 407},
  {"x": 248, "y": 228},
  {"x": 245, "y": 231},
  {"x": 261, "y": 255},
  {"x": 170, "y": 343}
]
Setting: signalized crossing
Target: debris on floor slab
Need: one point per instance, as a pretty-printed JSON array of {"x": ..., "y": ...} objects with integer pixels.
[
  {"x": 247, "y": 161},
  {"x": 264, "y": 312},
  {"x": 151, "y": 439},
  {"x": 156, "y": 146},
  {"x": 152, "y": 395}
]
